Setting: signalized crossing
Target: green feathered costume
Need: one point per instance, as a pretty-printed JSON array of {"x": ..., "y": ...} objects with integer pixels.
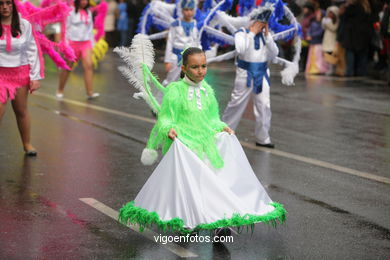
[{"x": 196, "y": 125}]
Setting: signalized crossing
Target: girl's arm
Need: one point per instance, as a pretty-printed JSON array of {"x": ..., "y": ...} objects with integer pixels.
[
  {"x": 327, "y": 24},
  {"x": 32, "y": 53},
  {"x": 166, "y": 120},
  {"x": 272, "y": 48},
  {"x": 168, "y": 112}
]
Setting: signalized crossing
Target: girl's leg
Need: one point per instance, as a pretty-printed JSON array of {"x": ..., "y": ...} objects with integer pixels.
[
  {"x": 2, "y": 110},
  {"x": 64, "y": 75},
  {"x": 19, "y": 105},
  {"x": 88, "y": 71}
]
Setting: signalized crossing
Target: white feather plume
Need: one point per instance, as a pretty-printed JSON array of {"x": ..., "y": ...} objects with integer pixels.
[
  {"x": 220, "y": 35},
  {"x": 140, "y": 52},
  {"x": 161, "y": 22},
  {"x": 159, "y": 35},
  {"x": 130, "y": 76},
  {"x": 256, "y": 11},
  {"x": 163, "y": 10},
  {"x": 282, "y": 35},
  {"x": 138, "y": 95},
  {"x": 149, "y": 156},
  {"x": 288, "y": 73},
  {"x": 230, "y": 22}
]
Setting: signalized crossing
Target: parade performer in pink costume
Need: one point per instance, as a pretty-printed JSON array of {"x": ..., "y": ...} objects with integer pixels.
[
  {"x": 79, "y": 33},
  {"x": 20, "y": 67}
]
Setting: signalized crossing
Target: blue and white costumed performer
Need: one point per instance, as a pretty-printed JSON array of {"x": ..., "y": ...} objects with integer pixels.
[
  {"x": 183, "y": 33},
  {"x": 255, "y": 48}
]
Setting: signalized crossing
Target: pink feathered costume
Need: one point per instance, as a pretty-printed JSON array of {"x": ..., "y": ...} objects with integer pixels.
[{"x": 19, "y": 60}]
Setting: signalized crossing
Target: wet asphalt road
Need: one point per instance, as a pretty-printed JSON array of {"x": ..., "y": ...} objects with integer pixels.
[{"x": 330, "y": 168}]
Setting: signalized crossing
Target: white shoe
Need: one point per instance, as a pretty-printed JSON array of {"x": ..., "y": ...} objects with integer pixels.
[
  {"x": 59, "y": 95},
  {"x": 93, "y": 96}
]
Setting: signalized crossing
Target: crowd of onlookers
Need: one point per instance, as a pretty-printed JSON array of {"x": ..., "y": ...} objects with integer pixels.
[
  {"x": 345, "y": 37},
  {"x": 339, "y": 37},
  {"x": 121, "y": 20}
]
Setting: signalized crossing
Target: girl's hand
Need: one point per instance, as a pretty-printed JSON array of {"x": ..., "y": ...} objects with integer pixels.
[
  {"x": 266, "y": 30},
  {"x": 257, "y": 27},
  {"x": 34, "y": 85},
  {"x": 228, "y": 130},
  {"x": 168, "y": 67},
  {"x": 172, "y": 134}
]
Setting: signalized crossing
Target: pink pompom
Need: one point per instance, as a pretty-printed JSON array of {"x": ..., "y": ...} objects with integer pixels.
[{"x": 101, "y": 10}]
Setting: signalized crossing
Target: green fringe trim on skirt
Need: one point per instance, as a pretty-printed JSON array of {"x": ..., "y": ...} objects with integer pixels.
[{"x": 130, "y": 214}]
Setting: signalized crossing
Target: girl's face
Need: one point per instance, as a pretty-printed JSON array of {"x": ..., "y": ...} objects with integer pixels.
[
  {"x": 318, "y": 15},
  {"x": 331, "y": 15},
  {"x": 83, "y": 3},
  {"x": 196, "y": 67},
  {"x": 5, "y": 8},
  {"x": 188, "y": 14}
]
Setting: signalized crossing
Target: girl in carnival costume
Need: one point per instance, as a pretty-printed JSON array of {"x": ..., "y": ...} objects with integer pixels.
[
  {"x": 20, "y": 67},
  {"x": 79, "y": 33},
  {"x": 204, "y": 181}
]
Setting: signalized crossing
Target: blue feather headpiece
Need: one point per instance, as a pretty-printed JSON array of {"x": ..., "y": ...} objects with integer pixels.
[
  {"x": 262, "y": 13},
  {"x": 264, "y": 16},
  {"x": 188, "y": 4}
]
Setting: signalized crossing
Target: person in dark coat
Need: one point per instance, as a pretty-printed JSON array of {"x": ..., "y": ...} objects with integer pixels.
[{"x": 357, "y": 31}]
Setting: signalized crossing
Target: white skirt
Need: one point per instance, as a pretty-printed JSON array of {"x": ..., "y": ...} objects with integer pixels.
[{"x": 185, "y": 193}]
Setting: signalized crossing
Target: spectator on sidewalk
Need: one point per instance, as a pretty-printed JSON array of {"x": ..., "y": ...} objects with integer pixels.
[
  {"x": 315, "y": 61},
  {"x": 330, "y": 24},
  {"x": 308, "y": 17},
  {"x": 109, "y": 23},
  {"x": 122, "y": 24},
  {"x": 357, "y": 33},
  {"x": 132, "y": 17}
]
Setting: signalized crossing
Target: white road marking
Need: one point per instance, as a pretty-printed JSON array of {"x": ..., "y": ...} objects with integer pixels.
[
  {"x": 296, "y": 157},
  {"x": 173, "y": 247},
  {"x": 322, "y": 164},
  {"x": 97, "y": 108}
]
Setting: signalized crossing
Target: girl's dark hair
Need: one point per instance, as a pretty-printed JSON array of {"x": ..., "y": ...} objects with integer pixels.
[
  {"x": 188, "y": 52},
  {"x": 15, "y": 23},
  {"x": 77, "y": 6}
]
